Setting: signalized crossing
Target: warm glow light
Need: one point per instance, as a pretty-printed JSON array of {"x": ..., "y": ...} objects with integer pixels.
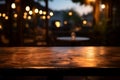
[
  {"x": 91, "y": 54},
  {"x": 0, "y": 14},
  {"x": 48, "y": 17},
  {"x": 29, "y": 17},
  {"x": 78, "y": 28},
  {"x": 65, "y": 22},
  {"x": 70, "y": 13},
  {"x": 43, "y": 17},
  {"x": 3, "y": 14},
  {"x": 84, "y": 22},
  {"x": 0, "y": 26},
  {"x": 15, "y": 15},
  {"x": 13, "y": 6},
  {"x": 89, "y": 58},
  {"x": 25, "y": 13},
  {"x": 27, "y": 8},
  {"x": 44, "y": 13},
  {"x": 92, "y": 0},
  {"x": 40, "y": 12},
  {"x": 57, "y": 24},
  {"x": 36, "y": 10},
  {"x": 89, "y": 1},
  {"x": 103, "y": 6},
  {"x": 51, "y": 14},
  {"x": 25, "y": 17},
  {"x": 30, "y": 12},
  {"x": 6, "y": 17}
]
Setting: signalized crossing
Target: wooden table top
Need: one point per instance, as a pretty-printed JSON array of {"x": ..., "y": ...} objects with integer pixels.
[
  {"x": 43, "y": 57},
  {"x": 59, "y": 58}
]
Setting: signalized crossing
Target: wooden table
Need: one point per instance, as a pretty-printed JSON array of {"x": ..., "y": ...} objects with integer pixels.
[{"x": 59, "y": 61}]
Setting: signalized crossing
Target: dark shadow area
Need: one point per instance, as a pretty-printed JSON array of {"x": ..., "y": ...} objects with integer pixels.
[{"x": 60, "y": 78}]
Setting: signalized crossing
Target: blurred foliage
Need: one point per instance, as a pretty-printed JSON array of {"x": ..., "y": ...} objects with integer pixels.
[{"x": 79, "y": 1}]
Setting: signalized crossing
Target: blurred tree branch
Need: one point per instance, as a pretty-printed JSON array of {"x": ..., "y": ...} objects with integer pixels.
[{"x": 79, "y": 1}]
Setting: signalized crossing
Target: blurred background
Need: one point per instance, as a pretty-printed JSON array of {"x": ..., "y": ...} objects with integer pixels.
[{"x": 59, "y": 23}]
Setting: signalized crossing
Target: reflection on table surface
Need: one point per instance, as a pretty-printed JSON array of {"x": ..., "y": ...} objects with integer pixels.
[{"x": 59, "y": 57}]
